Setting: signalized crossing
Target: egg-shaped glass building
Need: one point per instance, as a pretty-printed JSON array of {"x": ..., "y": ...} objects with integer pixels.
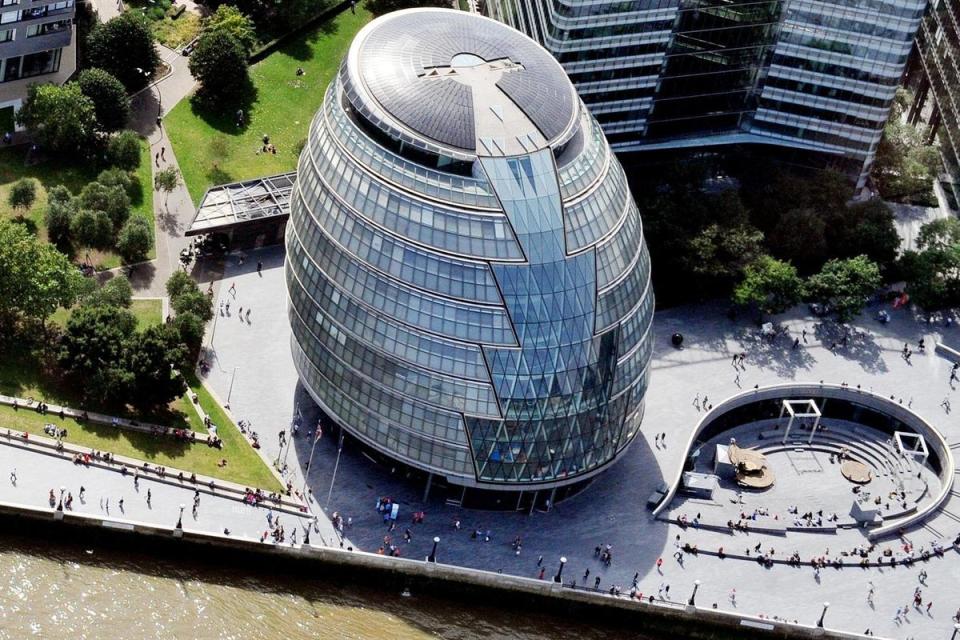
[{"x": 469, "y": 286}]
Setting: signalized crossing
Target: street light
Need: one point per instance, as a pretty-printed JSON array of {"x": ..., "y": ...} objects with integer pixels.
[
  {"x": 563, "y": 561},
  {"x": 180, "y": 519},
  {"x": 433, "y": 554},
  {"x": 696, "y": 585},
  {"x": 826, "y": 605},
  {"x": 60, "y": 505}
]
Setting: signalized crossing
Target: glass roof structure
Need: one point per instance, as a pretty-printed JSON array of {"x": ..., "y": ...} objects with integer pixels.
[{"x": 228, "y": 205}]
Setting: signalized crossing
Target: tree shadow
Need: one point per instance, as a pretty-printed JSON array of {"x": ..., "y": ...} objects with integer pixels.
[
  {"x": 775, "y": 353},
  {"x": 221, "y": 115},
  {"x": 26, "y": 223},
  {"x": 302, "y": 49},
  {"x": 861, "y": 346},
  {"x": 218, "y": 175}
]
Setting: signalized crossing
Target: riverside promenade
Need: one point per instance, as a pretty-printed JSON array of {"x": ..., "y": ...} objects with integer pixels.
[{"x": 255, "y": 369}]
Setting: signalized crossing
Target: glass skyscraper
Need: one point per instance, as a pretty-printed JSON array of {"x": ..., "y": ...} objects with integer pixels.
[
  {"x": 812, "y": 75},
  {"x": 469, "y": 286}
]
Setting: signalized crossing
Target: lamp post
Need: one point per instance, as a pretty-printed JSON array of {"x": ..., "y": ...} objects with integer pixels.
[
  {"x": 693, "y": 596},
  {"x": 826, "y": 605},
  {"x": 563, "y": 561},
  {"x": 433, "y": 554},
  {"x": 180, "y": 519},
  {"x": 60, "y": 505}
]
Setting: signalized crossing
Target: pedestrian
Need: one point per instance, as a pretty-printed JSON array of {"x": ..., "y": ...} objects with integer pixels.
[
  {"x": 804, "y": 336},
  {"x": 157, "y": 159},
  {"x": 542, "y": 571},
  {"x": 83, "y": 492},
  {"x": 539, "y": 560},
  {"x": 240, "y": 314},
  {"x": 796, "y": 343},
  {"x": 121, "y": 505},
  {"x": 659, "y": 565},
  {"x": 259, "y": 267},
  {"x": 13, "y": 477},
  {"x": 228, "y": 307},
  {"x": 736, "y": 380},
  {"x": 596, "y": 582},
  {"x": 149, "y": 496},
  {"x": 353, "y": 6},
  {"x": 586, "y": 574},
  {"x": 929, "y": 604},
  {"x": 248, "y": 315},
  {"x": 233, "y": 289},
  {"x": 733, "y": 596},
  {"x": 221, "y": 307},
  {"x": 163, "y": 152}
]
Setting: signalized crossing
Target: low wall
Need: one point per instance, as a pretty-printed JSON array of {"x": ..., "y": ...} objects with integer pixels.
[
  {"x": 935, "y": 441},
  {"x": 668, "y": 620}
]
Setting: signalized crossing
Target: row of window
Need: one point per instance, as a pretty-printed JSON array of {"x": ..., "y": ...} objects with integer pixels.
[
  {"x": 426, "y": 350},
  {"x": 592, "y": 217},
  {"x": 615, "y": 303},
  {"x": 28, "y": 66},
  {"x": 33, "y": 13}
]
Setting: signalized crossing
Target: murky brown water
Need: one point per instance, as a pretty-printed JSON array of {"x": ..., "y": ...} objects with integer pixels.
[{"x": 49, "y": 590}]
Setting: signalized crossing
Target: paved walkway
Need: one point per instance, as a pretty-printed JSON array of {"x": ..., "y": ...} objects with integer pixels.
[{"x": 255, "y": 367}]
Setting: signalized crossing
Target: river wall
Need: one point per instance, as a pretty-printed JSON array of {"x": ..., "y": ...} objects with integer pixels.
[{"x": 667, "y": 620}]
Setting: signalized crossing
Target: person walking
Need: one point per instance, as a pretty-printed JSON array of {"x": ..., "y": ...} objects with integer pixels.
[
  {"x": 121, "y": 505},
  {"x": 259, "y": 268},
  {"x": 149, "y": 497},
  {"x": 13, "y": 477},
  {"x": 163, "y": 153}
]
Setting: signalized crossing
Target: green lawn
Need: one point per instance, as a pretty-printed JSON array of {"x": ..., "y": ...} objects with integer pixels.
[
  {"x": 24, "y": 375},
  {"x": 74, "y": 176},
  {"x": 212, "y": 150}
]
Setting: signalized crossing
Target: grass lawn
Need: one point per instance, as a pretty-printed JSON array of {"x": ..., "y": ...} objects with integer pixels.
[
  {"x": 212, "y": 150},
  {"x": 22, "y": 374},
  {"x": 74, "y": 177},
  {"x": 244, "y": 466},
  {"x": 147, "y": 311},
  {"x": 173, "y": 32}
]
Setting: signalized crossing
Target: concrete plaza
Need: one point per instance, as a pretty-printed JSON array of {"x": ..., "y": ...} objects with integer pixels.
[{"x": 254, "y": 368}]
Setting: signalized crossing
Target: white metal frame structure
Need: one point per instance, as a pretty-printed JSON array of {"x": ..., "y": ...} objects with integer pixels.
[
  {"x": 812, "y": 411},
  {"x": 919, "y": 449}
]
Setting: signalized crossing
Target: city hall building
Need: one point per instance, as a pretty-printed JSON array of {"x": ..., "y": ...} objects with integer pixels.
[{"x": 469, "y": 286}]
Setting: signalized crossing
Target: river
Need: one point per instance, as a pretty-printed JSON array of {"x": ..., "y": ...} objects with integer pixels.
[{"x": 54, "y": 590}]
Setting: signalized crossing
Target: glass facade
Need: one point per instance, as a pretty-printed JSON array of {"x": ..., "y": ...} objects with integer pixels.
[
  {"x": 485, "y": 314},
  {"x": 817, "y": 75},
  {"x": 937, "y": 44}
]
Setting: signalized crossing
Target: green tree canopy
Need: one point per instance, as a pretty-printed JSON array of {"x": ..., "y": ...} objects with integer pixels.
[
  {"x": 724, "y": 252},
  {"x": 115, "y": 292},
  {"x": 116, "y": 177},
  {"x": 800, "y": 237},
  {"x": 864, "y": 228},
  {"x": 123, "y": 150},
  {"x": 112, "y": 200},
  {"x": 152, "y": 359},
  {"x": 22, "y": 193},
  {"x": 134, "y": 240},
  {"x": 194, "y": 302},
  {"x": 219, "y": 63},
  {"x": 92, "y": 228},
  {"x": 234, "y": 22},
  {"x": 845, "y": 285},
  {"x": 93, "y": 352},
  {"x": 178, "y": 283},
  {"x": 59, "y": 118},
  {"x": 35, "y": 278},
  {"x": 109, "y": 97},
  {"x": 939, "y": 234},
  {"x": 124, "y": 47},
  {"x": 59, "y": 216},
  {"x": 771, "y": 285},
  {"x": 932, "y": 274}
]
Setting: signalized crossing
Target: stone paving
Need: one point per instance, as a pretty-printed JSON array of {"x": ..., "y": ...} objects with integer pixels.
[{"x": 254, "y": 367}]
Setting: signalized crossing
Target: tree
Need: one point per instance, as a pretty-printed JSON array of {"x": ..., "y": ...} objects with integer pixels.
[
  {"x": 123, "y": 150},
  {"x": 179, "y": 283},
  {"x": 93, "y": 352},
  {"x": 35, "y": 278},
  {"x": 905, "y": 166},
  {"x": 772, "y": 286},
  {"x": 864, "y": 228},
  {"x": 109, "y": 97},
  {"x": 939, "y": 234},
  {"x": 116, "y": 177},
  {"x": 134, "y": 240},
  {"x": 115, "y": 292},
  {"x": 932, "y": 274},
  {"x": 380, "y": 7},
  {"x": 92, "y": 228},
  {"x": 166, "y": 180},
  {"x": 219, "y": 64},
  {"x": 59, "y": 216},
  {"x": 124, "y": 47},
  {"x": 724, "y": 252},
  {"x": 59, "y": 118},
  {"x": 190, "y": 330},
  {"x": 194, "y": 302},
  {"x": 112, "y": 200},
  {"x": 230, "y": 20},
  {"x": 22, "y": 193},
  {"x": 845, "y": 285},
  {"x": 152, "y": 359},
  {"x": 800, "y": 237}
]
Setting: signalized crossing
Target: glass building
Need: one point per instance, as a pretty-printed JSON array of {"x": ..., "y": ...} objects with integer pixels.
[
  {"x": 939, "y": 87},
  {"x": 469, "y": 286},
  {"x": 815, "y": 76}
]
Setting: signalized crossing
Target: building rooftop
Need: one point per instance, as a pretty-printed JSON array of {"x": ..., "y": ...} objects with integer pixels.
[{"x": 460, "y": 81}]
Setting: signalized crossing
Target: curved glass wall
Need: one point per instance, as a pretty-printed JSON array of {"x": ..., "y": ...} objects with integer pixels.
[{"x": 493, "y": 328}]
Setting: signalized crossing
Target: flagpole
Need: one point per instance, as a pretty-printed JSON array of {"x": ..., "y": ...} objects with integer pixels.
[{"x": 335, "y": 467}]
